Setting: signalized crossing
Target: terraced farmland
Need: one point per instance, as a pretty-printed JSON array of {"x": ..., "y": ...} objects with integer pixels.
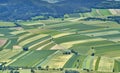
[
  {"x": 84, "y": 47},
  {"x": 56, "y": 44}
]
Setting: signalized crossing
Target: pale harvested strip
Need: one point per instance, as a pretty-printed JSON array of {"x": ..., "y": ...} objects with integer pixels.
[
  {"x": 39, "y": 43},
  {"x": 71, "y": 43},
  {"x": 116, "y": 39},
  {"x": 17, "y": 32},
  {"x": 34, "y": 24},
  {"x": 57, "y": 60},
  {"x": 115, "y": 11},
  {"x": 2, "y": 53},
  {"x": 117, "y": 58},
  {"x": 118, "y": 11},
  {"x": 16, "y": 47},
  {"x": 31, "y": 39},
  {"x": 9, "y": 41},
  {"x": 84, "y": 62},
  {"x": 94, "y": 62},
  {"x": 69, "y": 18},
  {"x": 44, "y": 46},
  {"x": 23, "y": 36},
  {"x": 88, "y": 62},
  {"x": 16, "y": 28},
  {"x": 56, "y": 47},
  {"x": 97, "y": 10},
  {"x": 24, "y": 71},
  {"x": 1, "y": 34},
  {"x": 106, "y": 64},
  {"x": 62, "y": 34},
  {"x": 77, "y": 19},
  {"x": 2, "y": 42},
  {"x": 103, "y": 33},
  {"x": 6, "y": 54}
]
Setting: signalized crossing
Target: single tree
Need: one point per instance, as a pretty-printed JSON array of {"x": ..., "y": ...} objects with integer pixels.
[{"x": 47, "y": 67}]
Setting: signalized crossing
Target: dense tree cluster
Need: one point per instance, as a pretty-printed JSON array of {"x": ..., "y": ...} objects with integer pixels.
[
  {"x": 71, "y": 71},
  {"x": 109, "y": 18},
  {"x": 114, "y": 18},
  {"x": 11, "y": 10}
]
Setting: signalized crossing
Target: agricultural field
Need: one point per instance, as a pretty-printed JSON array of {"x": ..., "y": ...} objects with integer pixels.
[
  {"x": 115, "y": 11},
  {"x": 31, "y": 59},
  {"x": 57, "y": 60},
  {"x": 99, "y": 13},
  {"x": 6, "y": 55},
  {"x": 106, "y": 64},
  {"x": 2, "y": 42},
  {"x": 58, "y": 44},
  {"x": 117, "y": 65},
  {"x": 7, "y": 24},
  {"x": 88, "y": 62}
]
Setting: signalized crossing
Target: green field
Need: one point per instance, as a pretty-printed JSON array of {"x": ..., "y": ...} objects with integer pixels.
[
  {"x": 117, "y": 66},
  {"x": 96, "y": 13},
  {"x": 31, "y": 59},
  {"x": 5, "y": 24},
  {"x": 72, "y": 37},
  {"x": 76, "y": 61},
  {"x": 88, "y": 62}
]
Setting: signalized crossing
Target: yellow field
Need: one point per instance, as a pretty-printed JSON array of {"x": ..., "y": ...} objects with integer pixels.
[
  {"x": 106, "y": 64},
  {"x": 57, "y": 60}
]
